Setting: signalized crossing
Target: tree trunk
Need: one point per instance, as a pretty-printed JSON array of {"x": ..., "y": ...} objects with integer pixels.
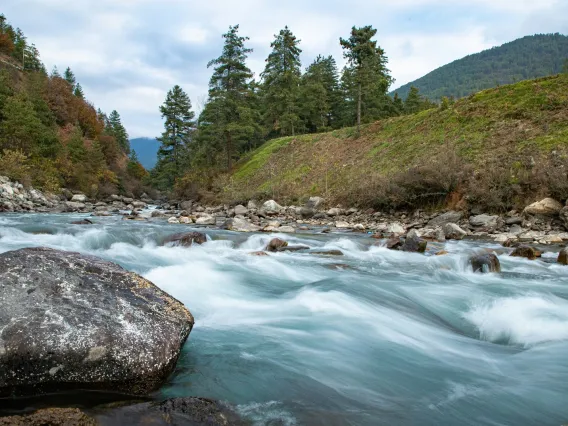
[
  {"x": 229, "y": 152},
  {"x": 359, "y": 111}
]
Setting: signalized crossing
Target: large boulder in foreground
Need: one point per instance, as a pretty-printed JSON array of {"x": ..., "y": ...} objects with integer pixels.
[{"x": 70, "y": 321}]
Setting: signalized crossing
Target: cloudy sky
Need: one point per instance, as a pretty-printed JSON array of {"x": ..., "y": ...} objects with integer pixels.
[{"x": 127, "y": 53}]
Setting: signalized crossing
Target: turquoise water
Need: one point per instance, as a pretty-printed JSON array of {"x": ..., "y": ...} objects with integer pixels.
[{"x": 374, "y": 337}]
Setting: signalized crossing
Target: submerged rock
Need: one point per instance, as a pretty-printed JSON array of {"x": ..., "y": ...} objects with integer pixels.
[
  {"x": 190, "y": 411},
  {"x": 51, "y": 417},
  {"x": 71, "y": 321},
  {"x": 563, "y": 256},
  {"x": 276, "y": 244},
  {"x": 186, "y": 239},
  {"x": 486, "y": 262},
  {"x": 82, "y": 222},
  {"x": 413, "y": 243},
  {"x": 527, "y": 252},
  {"x": 327, "y": 252}
]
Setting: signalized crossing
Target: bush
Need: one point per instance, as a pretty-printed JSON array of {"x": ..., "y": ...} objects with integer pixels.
[{"x": 14, "y": 164}]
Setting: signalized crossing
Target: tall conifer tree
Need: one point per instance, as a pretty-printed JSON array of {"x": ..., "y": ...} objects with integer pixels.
[{"x": 281, "y": 84}]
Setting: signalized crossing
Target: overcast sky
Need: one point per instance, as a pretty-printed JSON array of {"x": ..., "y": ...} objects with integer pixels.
[{"x": 127, "y": 53}]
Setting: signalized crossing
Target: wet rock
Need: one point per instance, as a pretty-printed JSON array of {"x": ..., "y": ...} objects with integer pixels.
[
  {"x": 294, "y": 248},
  {"x": 51, "y": 417},
  {"x": 206, "y": 219},
  {"x": 393, "y": 243},
  {"x": 157, "y": 213},
  {"x": 185, "y": 220},
  {"x": 515, "y": 220},
  {"x": 563, "y": 256},
  {"x": 327, "y": 252},
  {"x": 139, "y": 204},
  {"x": 441, "y": 253},
  {"x": 240, "y": 225},
  {"x": 454, "y": 232},
  {"x": 186, "y": 239},
  {"x": 258, "y": 253},
  {"x": 173, "y": 220},
  {"x": 527, "y": 252},
  {"x": 82, "y": 222},
  {"x": 359, "y": 227},
  {"x": 71, "y": 321},
  {"x": 546, "y": 207},
  {"x": 276, "y": 244},
  {"x": 413, "y": 243},
  {"x": 485, "y": 262},
  {"x": 189, "y": 411},
  {"x": 448, "y": 217},
  {"x": 251, "y": 205}
]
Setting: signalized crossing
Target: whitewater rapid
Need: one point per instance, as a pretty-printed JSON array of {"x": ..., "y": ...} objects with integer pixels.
[{"x": 369, "y": 338}]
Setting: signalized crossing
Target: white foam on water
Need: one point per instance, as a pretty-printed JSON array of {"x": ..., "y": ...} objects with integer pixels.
[{"x": 524, "y": 320}]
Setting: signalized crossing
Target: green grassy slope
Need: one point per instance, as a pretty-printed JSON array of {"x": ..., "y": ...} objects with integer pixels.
[{"x": 505, "y": 134}]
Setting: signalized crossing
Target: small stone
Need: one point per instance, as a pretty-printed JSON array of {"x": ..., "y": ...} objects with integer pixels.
[{"x": 275, "y": 244}]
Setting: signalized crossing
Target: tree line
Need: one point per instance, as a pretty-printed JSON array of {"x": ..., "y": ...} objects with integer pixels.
[
  {"x": 241, "y": 112},
  {"x": 50, "y": 135}
]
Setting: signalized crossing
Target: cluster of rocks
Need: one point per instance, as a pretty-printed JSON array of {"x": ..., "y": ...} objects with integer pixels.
[
  {"x": 14, "y": 197},
  {"x": 545, "y": 222}
]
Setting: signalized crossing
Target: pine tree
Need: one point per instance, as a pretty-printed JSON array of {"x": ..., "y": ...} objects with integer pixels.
[
  {"x": 281, "y": 84},
  {"x": 229, "y": 118},
  {"x": 79, "y": 91},
  {"x": 321, "y": 99},
  {"x": 179, "y": 127},
  {"x": 366, "y": 79},
  {"x": 70, "y": 78},
  {"x": 116, "y": 129},
  {"x": 55, "y": 72}
]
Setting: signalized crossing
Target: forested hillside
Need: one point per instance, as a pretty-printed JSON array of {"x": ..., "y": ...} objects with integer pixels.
[
  {"x": 498, "y": 149},
  {"x": 242, "y": 113},
  {"x": 526, "y": 58},
  {"x": 51, "y": 136}
]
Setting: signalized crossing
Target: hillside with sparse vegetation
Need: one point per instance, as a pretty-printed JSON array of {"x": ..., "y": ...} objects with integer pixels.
[{"x": 497, "y": 149}]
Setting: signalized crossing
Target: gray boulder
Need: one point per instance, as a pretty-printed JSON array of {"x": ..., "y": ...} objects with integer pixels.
[
  {"x": 240, "y": 225},
  {"x": 186, "y": 239},
  {"x": 564, "y": 216},
  {"x": 453, "y": 232},
  {"x": 485, "y": 222},
  {"x": 79, "y": 198},
  {"x": 241, "y": 210},
  {"x": 72, "y": 206},
  {"x": 448, "y": 217},
  {"x": 186, "y": 205},
  {"x": 71, "y": 321},
  {"x": 315, "y": 203},
  {"x": 206, "y": 219}
]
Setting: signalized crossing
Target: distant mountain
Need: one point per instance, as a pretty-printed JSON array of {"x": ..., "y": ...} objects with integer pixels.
[
  {"x": 525, "y": 58},
  {"x": 146, "y": 150}
]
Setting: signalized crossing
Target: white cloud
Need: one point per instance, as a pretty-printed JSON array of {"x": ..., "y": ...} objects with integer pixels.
[{"x": 128, "y": 53}]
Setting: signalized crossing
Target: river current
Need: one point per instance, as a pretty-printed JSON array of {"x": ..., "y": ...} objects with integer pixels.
[{"x": 374, "y": 337}]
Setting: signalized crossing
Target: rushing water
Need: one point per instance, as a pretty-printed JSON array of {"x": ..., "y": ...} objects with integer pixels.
[{"x": 375, "y": 337}]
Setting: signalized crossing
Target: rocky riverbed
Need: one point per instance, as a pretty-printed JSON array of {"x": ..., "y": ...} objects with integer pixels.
[{"x": 454, "y": 304}]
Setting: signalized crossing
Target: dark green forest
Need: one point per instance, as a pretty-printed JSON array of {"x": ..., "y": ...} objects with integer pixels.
[
  {"x": 51, "y": 136},
  {"x": 529, "y": 57}
]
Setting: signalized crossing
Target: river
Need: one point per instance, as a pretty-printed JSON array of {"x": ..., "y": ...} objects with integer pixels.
[{"x": 374, "y": 337}]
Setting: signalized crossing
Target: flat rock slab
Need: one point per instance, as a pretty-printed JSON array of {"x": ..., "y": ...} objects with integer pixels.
[{"x": 70, "y": 321}]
